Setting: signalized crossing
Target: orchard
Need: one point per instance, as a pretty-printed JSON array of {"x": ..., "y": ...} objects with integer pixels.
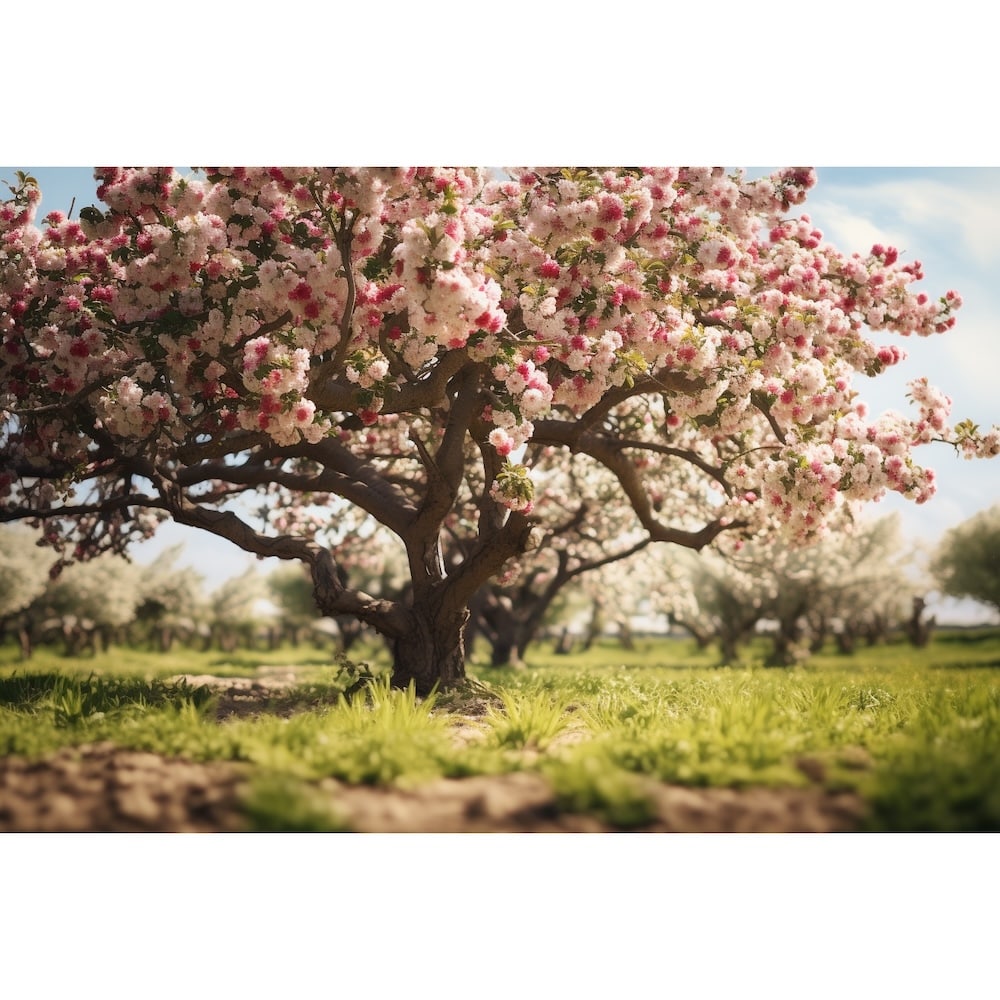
[{"x": 283, "y": 357}]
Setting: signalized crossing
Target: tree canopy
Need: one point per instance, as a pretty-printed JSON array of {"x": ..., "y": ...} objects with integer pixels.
[
  {"x": 967, "y": 560},
  {"x": 251, "y": 351}
]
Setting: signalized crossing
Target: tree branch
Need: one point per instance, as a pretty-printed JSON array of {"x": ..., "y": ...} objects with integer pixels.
[{"x": 607, "y": 451}]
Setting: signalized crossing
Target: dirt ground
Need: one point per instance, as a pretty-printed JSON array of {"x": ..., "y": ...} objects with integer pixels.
[{"x": 101, "y": 788}]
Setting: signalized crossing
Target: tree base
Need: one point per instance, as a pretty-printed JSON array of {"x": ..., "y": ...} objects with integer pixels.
[{"x": 431, "y": 656}]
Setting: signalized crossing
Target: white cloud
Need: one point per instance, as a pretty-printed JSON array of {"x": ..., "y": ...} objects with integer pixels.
[
  {"x": 957, "y": 211},
  {"x": 848, "y": 229}
]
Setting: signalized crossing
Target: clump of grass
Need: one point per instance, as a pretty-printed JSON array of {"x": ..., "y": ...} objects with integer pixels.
[
  {"x": 380, "y": 736},
  {"x": 589, "y": 783},
  {"x": 69, "y": 702},
  {"x": 941, "y": 771},
  {"x": 80, "y": 697},
  {"x": 526, "y": 720},
  {"x": 276, "y": 803},
  {"x": 624, "y": 704},
  {"x": 377, "y": 704}
]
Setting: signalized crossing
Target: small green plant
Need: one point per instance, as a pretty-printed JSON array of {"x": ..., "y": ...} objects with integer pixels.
[
  {"x": 352, "y": 677},
  {"x": 527, "y": 719},
  {"x": 376, "y": 704}
]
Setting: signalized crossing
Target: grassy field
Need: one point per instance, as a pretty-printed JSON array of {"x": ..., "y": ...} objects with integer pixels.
[{"x": 916, "y": 733}]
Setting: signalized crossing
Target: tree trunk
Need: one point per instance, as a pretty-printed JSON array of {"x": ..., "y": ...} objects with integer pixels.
[
  {"x": 820, "y": 628},
  {"x": 426, "y": 633},
  {"x": 846, "y": 640},
  {"x": 728, "y": 648},
  {"x": 506, "y": 651},
  {"x": 166, "y": 638},
  {"x": 791, "y": 644},
  {"x": 625, "y": 633},
  {"x": 919, "y": 631},
  {"x": 350, "y": 632},
  {"x": 595, "y": 627},
  {"x": 564, "y": 645},
  {"x": 24, "y": 638},
  {"x": 432, "y": 653},
  {"x": 508, "y": 629}
]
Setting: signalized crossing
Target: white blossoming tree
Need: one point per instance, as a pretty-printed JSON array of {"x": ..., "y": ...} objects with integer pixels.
[
  {"x": 347, "y": 337},
  {"x": 24, "y": 575},
  {"x": 93, "y": 601},
  {"x": 582, "y": 524},
  {"x": 233, "y": 619},
  {"x": 861, "y": 581},
  {"x": 172, "y": 599}
]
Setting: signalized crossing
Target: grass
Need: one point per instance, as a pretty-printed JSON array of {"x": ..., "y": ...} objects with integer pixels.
[
  {"x": 526, "y": 720},
  {"x": 126, "y": 661},
  {"x": 915, "y": 732}
]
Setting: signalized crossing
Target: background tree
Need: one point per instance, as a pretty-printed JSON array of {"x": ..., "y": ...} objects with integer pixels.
[
  {"x": 24, "y": 575},
  {"x": 722, "y": 602},
  {"x": 172, "y": 599},
  {"x": 352, "y": 335},
  {"x": 872, "y": 576},
  {"x": 582, "y": 523},
  {"x": 290, "y": 588},
  {"x": 92, "y": 602},
  {"x": 641, "y": 586},
  {"x": 369, "y": 558},
  {"x": 859, "y": 581},
  {"x": 234, "y": 618},
  {"x": 966, "y": 563}
]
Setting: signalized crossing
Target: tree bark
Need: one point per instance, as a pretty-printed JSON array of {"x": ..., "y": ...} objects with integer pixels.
[
  {"x": 564, "y": 646},
  {"x": 165, "y": 638}
]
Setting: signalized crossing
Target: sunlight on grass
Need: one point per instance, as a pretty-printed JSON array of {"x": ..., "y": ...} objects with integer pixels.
[{"x": 916, "y": 732}]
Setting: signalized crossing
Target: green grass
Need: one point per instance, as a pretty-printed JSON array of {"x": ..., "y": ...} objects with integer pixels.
[
  {"x": 124, "y": 660},
  {"x": 915, "y": 732}
]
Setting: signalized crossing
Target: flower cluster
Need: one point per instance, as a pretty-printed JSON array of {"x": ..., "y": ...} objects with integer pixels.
[
  {"x": 277, "y": 379},
  {"x": 513, "y": 488}
]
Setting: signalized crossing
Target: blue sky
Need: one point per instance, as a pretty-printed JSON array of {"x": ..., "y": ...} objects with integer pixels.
[{"x": 948, "y": 218}]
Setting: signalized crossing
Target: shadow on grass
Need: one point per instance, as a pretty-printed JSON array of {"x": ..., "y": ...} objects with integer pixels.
[
  {"x": 248, "y": 660},
  {"x": 244, "y": 703},
  {"x": 95, "y": 694},
  {"x": 965, "y": 637},
  {"x": 966, "y": 665}
]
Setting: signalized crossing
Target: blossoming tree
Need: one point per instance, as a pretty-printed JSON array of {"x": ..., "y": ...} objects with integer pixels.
[
  {"x": 859, "y": 581},
  {"x": 24, "y": 574},
  {"x": 356, "y": 333}
]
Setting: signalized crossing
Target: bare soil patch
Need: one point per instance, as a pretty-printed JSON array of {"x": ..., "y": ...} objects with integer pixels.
[
  {"x": 246, "y": 696},
  {"x": 102, "y": 788}
]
